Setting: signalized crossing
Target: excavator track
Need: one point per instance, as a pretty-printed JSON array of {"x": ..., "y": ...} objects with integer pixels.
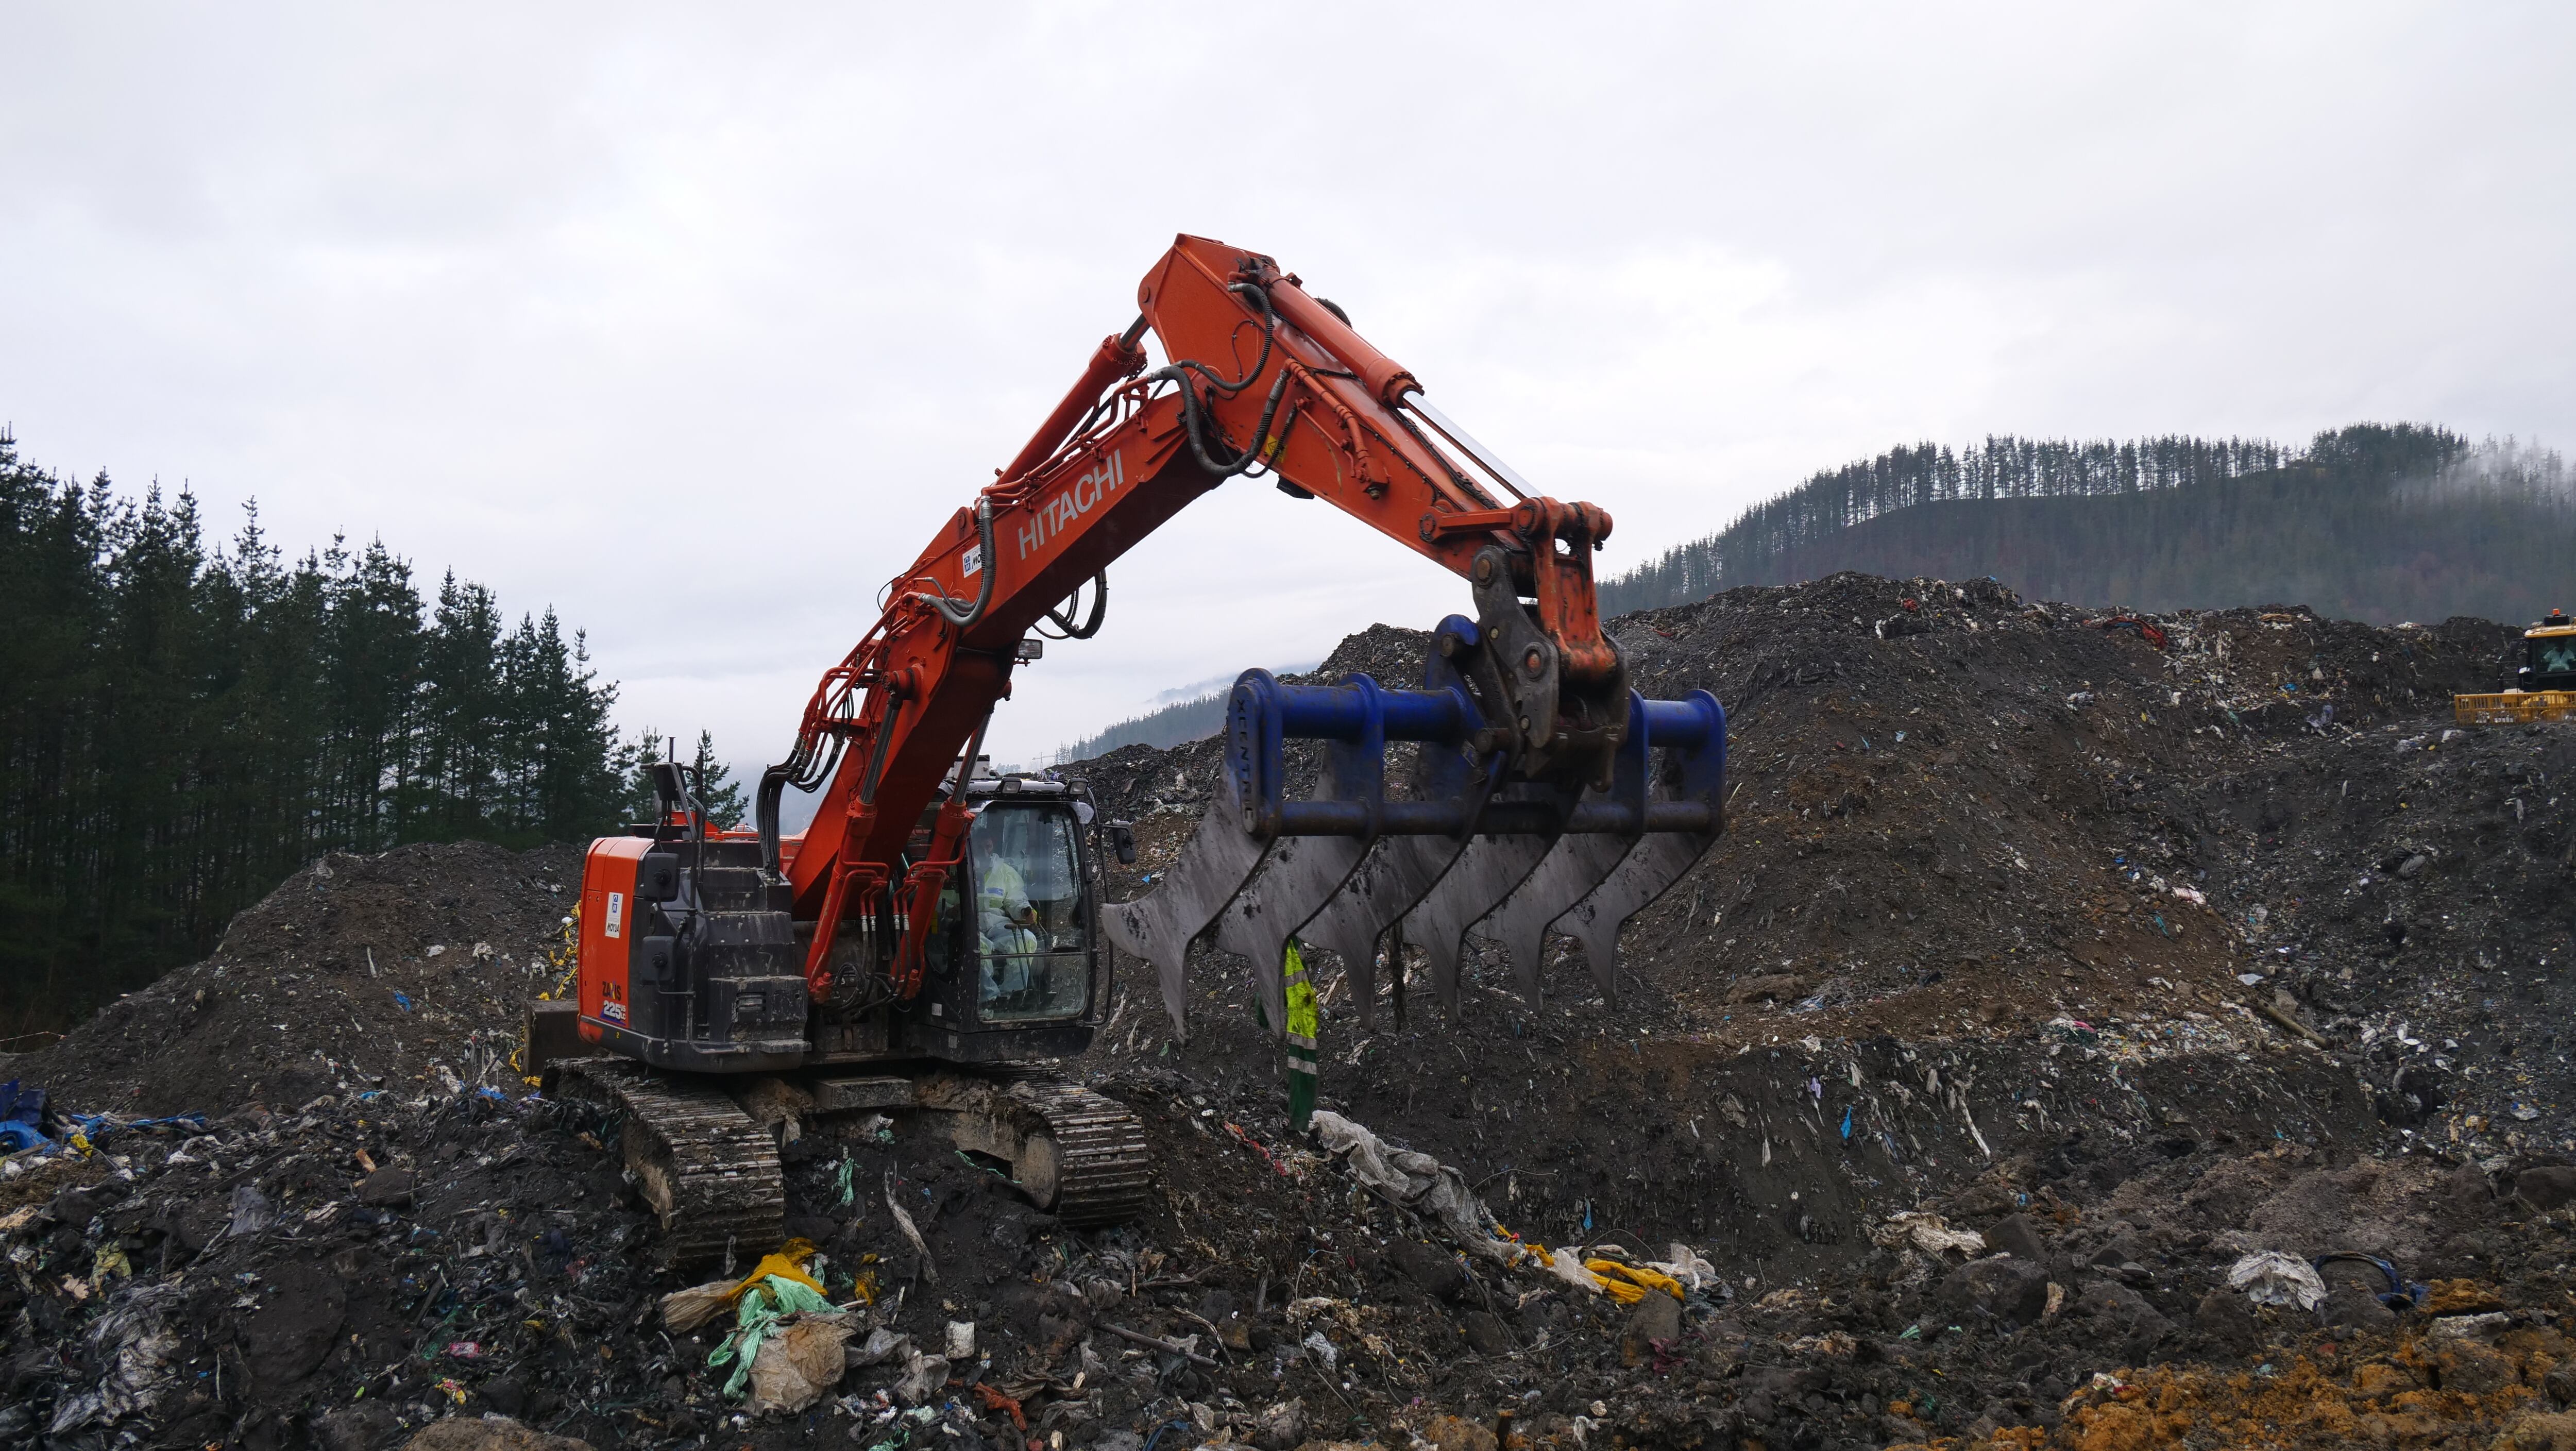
[
  {"x": 707, "y": 1168},
  {"x": 1076, "y": 1154},
  {"x": 1104, "y": 1171}
]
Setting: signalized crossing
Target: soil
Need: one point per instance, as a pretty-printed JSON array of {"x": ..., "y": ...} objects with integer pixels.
[
  {"x": 2134, "y": 958},
  {"x": 356, "y": 970}
]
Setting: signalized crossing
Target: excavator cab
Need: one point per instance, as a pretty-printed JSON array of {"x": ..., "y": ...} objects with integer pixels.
[
  {"x": 2543, "y": 686},
  {"x": 1017, "y": 963},
  {"x": 1032, "y": 944},
  {"x": 2550, "y": 651}
]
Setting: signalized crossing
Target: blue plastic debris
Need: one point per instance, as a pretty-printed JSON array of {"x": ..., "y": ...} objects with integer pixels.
[
  {"x": 1846, "y": 1123},
  {"x": 22, "y": 1117},
  {"x": 403, "y": 1001}
]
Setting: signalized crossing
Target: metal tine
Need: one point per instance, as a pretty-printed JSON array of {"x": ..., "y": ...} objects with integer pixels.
[
  {"x": 1385, "y": 887},
  {"x": 1159, "y": 927},
  {"x": 1302, "y": 875},
  {"x": 1649, "y": 871},
  {"x": 1572, "y": 869},
  {"x": 1696, "y": 725},
  {"x": 1485, "y": 873},
  {"x": 1391, "y": 879}
]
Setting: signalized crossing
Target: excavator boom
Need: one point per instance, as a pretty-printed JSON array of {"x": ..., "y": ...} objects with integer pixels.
[
  {"x": 1262, "y": 378},
  {"x": 935, "y": 936}
]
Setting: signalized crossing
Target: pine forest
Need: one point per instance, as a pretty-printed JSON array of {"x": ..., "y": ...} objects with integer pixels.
[{"x": 185, "y": 723}]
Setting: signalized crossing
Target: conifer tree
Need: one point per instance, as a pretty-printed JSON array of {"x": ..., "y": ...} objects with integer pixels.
[{"x": 185, "y": 725}]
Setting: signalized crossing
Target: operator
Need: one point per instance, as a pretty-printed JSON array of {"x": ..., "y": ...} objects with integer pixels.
[{"x": 1006, "y": 922}]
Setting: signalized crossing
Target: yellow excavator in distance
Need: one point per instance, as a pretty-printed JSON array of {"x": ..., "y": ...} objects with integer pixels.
[{"x": 2544, "y": 686}]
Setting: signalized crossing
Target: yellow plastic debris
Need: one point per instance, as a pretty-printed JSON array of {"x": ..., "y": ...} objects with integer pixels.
[
  {"x": 788, "y": 1264},
  {"x": 1620, "y": 1290},
  {"x": 1644, "y": 1278},
  {"x": 690, "y": 1308}
]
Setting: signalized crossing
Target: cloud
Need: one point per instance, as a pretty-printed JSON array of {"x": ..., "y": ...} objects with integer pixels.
[{"x": 694, "y": 324}]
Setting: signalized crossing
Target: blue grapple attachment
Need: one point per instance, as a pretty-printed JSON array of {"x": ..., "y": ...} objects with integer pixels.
[{"x": 1461, "y": 845}]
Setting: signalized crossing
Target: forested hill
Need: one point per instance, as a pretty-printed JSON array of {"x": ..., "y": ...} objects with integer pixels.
[
  {"x": 2368, "y": 522},
  {"x": 183, "y": 725}
]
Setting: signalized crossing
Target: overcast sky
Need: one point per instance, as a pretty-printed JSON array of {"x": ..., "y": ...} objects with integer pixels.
[{"x": 693, "y": 322}]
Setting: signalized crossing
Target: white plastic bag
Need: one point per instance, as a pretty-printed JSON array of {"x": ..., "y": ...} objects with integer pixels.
[{"x": 2269, "y": 1277}]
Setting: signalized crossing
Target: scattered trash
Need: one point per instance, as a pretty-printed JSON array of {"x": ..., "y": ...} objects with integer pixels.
[
  {"x": 252, "y": 1212},
  {"x": 881, "y": 1346},
  {"x": 911, "y": 1234},
  {"x": 2401, "y": 1294},
  {"x": 22, "y": 1117},
  {"x": 135, "y": 1345},
  {"x": 1417, "y": 1182},
  {"x": 798, "y": 1361},
  {"x": 1186, "y": 1348},
  {"x": 518, "y": 1237},
  {"x": 1927, "y": 1233},
  {"x": 761, "y": 1308},
  {"x": 2472, "y": 1327},
  {"x": 2269, "y": 1277},
  {"x": 685, "y": 1310},
  {"x": 923, "y": 1375},
  {"x": 1686, "y": 1267}
]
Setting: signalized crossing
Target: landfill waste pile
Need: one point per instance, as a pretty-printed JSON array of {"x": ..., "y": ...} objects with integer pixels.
[
  {"x": 358, "y": 970},
  {"x": 2094, "y": 1030}
]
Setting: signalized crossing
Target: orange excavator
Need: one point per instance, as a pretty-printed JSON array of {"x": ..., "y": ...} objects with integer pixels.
[{"x": 937, "y": 936}]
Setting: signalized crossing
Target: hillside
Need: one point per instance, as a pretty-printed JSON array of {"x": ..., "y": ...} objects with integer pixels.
[
  {"x": 1180, "y": 716},
  {"x": 2129, "y": 963},
  {"x": 2370, "y": 523}
]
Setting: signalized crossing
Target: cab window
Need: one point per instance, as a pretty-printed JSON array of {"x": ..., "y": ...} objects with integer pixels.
[{"x": 1031, "y": 952}]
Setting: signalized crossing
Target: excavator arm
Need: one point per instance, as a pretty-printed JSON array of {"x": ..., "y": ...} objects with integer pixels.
[{"x": 1262, "y": 379}]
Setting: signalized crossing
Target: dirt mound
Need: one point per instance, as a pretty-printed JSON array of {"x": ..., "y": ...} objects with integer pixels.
[
  {"x": 365, "y": 971},
  {"x": 1995, "y": 948}
]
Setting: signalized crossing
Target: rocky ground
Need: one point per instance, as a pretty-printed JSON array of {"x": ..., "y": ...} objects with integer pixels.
[{"x": 2047, "y": 972}]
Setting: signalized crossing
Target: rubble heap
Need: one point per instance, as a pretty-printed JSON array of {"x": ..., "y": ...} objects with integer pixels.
[{"x": 2067, "y": 986}]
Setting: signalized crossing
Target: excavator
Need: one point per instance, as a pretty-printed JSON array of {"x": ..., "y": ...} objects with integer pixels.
[
  {"x": 2544, "y": 685},
  {"x": 937, "y": 939}
]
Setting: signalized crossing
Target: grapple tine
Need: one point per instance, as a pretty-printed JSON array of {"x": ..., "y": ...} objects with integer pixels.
[
  {"x": 1579, "y": 862},
  {"x": 1302, "y": 874},
  {"x": 1697, "y": 725},
  {"x": 1575, "y": 866},
  {"x": 1376, "y": 897},
  {"x": 1650, "y": 870},
  {"x": 1485, "y": 874},
  {"x": 1159, "y": 926}
]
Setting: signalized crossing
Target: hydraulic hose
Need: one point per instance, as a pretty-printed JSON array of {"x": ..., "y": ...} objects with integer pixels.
[
  {"x": 958, "y": 612},
  {"x": 1193, "y": 414},
  {"x": 765, "y": 813},
  {"x": 1269, "y": 333},
  {"x": 1062, "y": 614}
]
